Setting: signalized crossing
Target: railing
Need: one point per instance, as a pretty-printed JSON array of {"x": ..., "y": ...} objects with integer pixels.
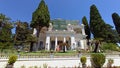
[
  {"x": 38, "y": 56},
  {"x": 48, "y": 55}
]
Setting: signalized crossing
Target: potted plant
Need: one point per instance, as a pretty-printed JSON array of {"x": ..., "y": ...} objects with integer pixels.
[
  {"x": 83, "y": 61},
  {"x": 110, "y": 62},
  {"x": 12, "y": 59}
]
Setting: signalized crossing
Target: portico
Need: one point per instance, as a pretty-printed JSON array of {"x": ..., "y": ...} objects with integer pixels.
[
  {"x": 70, "y": 34},
  {"x": 59, "y": 37},
  {"x": 55, "y": 37}
]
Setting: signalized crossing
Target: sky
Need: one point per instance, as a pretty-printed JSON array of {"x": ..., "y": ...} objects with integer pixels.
[{"x": 66, "y": 9}]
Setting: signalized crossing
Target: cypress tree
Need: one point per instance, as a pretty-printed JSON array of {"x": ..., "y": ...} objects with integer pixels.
[
  {"x": 99, "y": 28},
  {"x": 96, "y": 22},
  {"x": 116, "y": 21},
  {"x": 40, "y": 17},
  {"x": 87, "y": 28}
]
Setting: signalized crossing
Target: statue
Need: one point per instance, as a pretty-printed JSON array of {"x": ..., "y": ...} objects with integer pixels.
[
  {"x": 69, "y": 27},
  {"x": 50, "y": 27},
  {"x": 34, "y": 31}
]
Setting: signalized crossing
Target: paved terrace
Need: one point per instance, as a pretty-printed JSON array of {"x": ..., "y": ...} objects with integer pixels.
[{"x": 55, "y": 62}]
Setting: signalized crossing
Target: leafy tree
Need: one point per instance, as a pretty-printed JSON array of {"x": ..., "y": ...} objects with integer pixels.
[
  {"x": 24, "y": 35},
  {"x": 40, "y": 17},
  {"x": 5, "y": 33},
  {"x": 87, "y": 28},
  {"x": 4, "y": 18},
  {"x": 22, "y": 31},
  {"x": 116, "y": 21}
]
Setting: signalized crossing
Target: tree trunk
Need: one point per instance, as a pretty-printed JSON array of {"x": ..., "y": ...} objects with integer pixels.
[
  {"x": 31, "y": 47},
  {"x": 96, "y": 47}
]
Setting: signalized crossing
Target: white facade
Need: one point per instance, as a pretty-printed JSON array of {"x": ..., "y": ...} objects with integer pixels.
[{"x": 69, "y": 36}]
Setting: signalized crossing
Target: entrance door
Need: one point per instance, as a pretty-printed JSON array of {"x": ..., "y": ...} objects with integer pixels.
[
  {"x": 52, "y": 47},
  {"x": 41, "y": 45}
]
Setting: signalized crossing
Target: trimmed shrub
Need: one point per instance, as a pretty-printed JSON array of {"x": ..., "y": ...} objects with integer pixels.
[
  {"x": 12, "y": 59},
  {"x": 110, "y": 62},
  {"x": 45, "y": 65},
  {"x": 97, "y": 60},
  {"x": 23, "y": 66},
  {"x": 83, "y": 59}
]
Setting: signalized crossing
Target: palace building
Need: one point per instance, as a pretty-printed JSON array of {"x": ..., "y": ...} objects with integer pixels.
[{"x": 62, "y": 31}]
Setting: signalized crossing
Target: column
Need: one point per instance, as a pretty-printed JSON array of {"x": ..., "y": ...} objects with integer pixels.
[
  {"x": 64, "y": 41},
  {"x": 82, "y": 44},
  {"x": 73, "y": 42},
  {"x": 83, "y": 30},
  {"x": 56, "y": 43},
  {"x": 48, "y": 43}
]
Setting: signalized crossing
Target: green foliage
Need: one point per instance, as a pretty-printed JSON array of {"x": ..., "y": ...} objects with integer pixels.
[
  {"x": 12, "y": 59},
  {"x": 87, "y": 28},
  {"x": 23, "y": 34},
  {"x": 98, "y": 27},
  {"x": 97, "y": 59},
  {"x": 4, "y": 18},
  {"x": 95, "y": 21},
  {"x": 109, "y": 46},
  {"x": 22, "y": 30},
  {"x": 23, "y": 66},
  {"x": 31, "y": 38},
  {"x": 35, "y": 67},
  {"x": 83, "y": 59},
  {"x": 116, "y": 21},
  {"x": 6, "y": 45},
  {"x": 41, "y": 15},
  {"x": 45, "y": 65},
  {"x": 111, "y": 61},
  {"x": 5, "y": 33}
]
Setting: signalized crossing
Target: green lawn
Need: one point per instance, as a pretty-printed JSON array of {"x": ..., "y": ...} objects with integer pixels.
[
  {"x": 47, "y": 53},
  {"x": 40, "y": 53}
]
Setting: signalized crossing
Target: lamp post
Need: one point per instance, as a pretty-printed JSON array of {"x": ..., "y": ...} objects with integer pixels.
[
  {"x": 18, "y": 52},
  {"x": 51, "y": 53}
]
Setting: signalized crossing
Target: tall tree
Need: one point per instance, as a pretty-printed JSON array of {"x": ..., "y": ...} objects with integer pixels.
[
  {"x": 5, "y": 32},
  {"x": 40, "y": 17},
  {"x": 87, "y": 28},
  {"x": 98, "y": 27},
  {"x": 22, "y": 30},
  {"x": 116, "y": 21},
  {"x": 96, "y": 22}
]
